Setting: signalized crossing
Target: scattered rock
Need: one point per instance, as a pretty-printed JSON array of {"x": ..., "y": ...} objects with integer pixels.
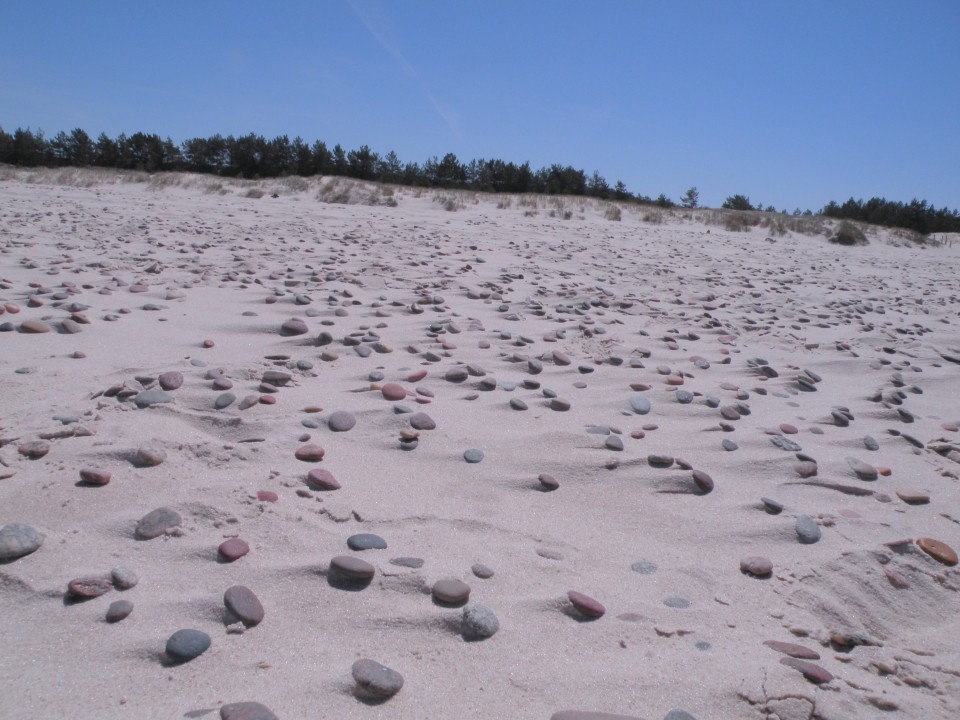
[
  {"x": 939, "y": 551},
  {"x": 233, "y": 549},
  {"x": 18, "y": 540},
  {"x": 118, "y": 610},
  {"x": 246, "y": 711},
  {"x": 124, "y": 578},
  {"x": 310, "y": 453},
  {"x": 479, "y": 621},
  {"x": 756, "y": 565},
  {"x": 341, "y": 421},
  {"x": 586, "y": 605},
  {"x": 376, "y": 680},
  {"x": 156, "y": 523},
  {"x": 187, "y": 644},
  {"x": 84, "y": 588},
  {"x": 450, "y": 591},
  {"x": 149, "y": 456},
  {"x": 352, "y": 568},
  {"x": 93, "y": 476},
  {"x": 366, "y": 541},
  {"x": 244, "y": 605},
  {"x": 808, "y": 532}
]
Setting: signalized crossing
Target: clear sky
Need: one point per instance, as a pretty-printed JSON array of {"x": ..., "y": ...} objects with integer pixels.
[{"x": 792, "y": 103}]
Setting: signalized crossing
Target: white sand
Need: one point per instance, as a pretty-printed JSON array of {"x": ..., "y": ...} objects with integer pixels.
[{"x": 853, "y": 316}]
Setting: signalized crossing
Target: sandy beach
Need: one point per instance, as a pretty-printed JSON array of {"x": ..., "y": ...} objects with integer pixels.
[{"x": 677, "y": 470}]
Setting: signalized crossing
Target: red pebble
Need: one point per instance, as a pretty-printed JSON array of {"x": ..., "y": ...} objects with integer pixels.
[
  {"x": 268, "y": 400},
  {"x": 233, "y": 549},
  {"x": 267, "y": 496},
  {"x": 208, "y": 343},
  {"x": 586, "y": 605},
  {"x": 93, "y": 476}
]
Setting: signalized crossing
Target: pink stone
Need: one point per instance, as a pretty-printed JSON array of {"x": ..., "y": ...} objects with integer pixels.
[
  {"x": 393, "y": 391},
  {"x": 703, "y": 481},
  {"x": 756, "y": 565},
  {"x": 170, "y": 380},
  {"x": 320, "y": 479},
  {"x": 418, "y": 375},
  {"x": 208, "y": 344},
  {"x": 34, "y": 450},
  {"x": 233, "y": 549},
  {"x": 548, "y": 482},
  {"x": 267, "y": 496},
  {"x": 310, "y": 453},
  {"x": 813, "y": 673},
  {"x": 792, "y": 649},
  {"x": 586, "y": 605},
  {"x": 788, "y": 429},
  {"x": 93, "y": 476},
  {"x": 89, "y": 587},
  {"x": 268, "y": 400}
]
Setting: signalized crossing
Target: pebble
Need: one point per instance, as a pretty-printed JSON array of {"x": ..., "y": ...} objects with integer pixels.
[
  {"x": 771, "y": 506},
  {"x": 482, "y": 571},
  {"x": 479, "y": 621},
  {"x": 613, "y": 442},
  {"x": 586, "y": 605},
  {"x": 703, "y": 481},
  {"x": 35, "y": 449},
  {"x": 792, "y": 649},
  {"x": 684, "y": 397},
  {"x": 677, "y": 603},
  {"x": 939, "y": 551},
  {"x": 187, "y": 644},
  {"x": 84, "y": 588},
  {"x": 756, "y": 565},
  {"x": 422, "y": 421},
  {"x": 156, "y": 523},
  {"x": 913, "y": 497},
  {"x": 118, "y": 610},
  {"x": 728, "y": 445},
  {"x": 320, "y": 479},
  {"x": 310, "y": 453},
  {"x": 170, "y": 380},
  {"x": 644, "y": 567},
  {"x": 559, "y": 404},
  {"x": 294, "y": 326},
  {"x": 862, "y": 470},
  {"x": 366, "y": 541},
  {"x": 124, "y": 578},
  {"x": 18, "y": 540},
  {"x": 233, "y": 549},
  {"x": 805, "y": 469},
  {"x": 870, "y": 443},
  {"x": 149, "y": 456},
  {"x": 341, "y": 421},
  {"x": 376, "y": 680},
  {"x": 548, "y": 482},
  {"x": 93, "y": 476},
  {"x": 588, "y": 715},
  {"x": 224, "y": 400},
  {"x": 677, "y": 714},
  {"x": 246, "y": 711},
  {"x": 393, "y": 391},
  {"x": 34, "y": 326},
  {"x": 639, "y": 404},
  {"x": 267, "y": 496},
  {"x": 149, "y": 398},
  {"x": 450, "y": 591},
  {"x": 659, "y": 461},
  {"x": 352, "y": 568},
  {"x": 808, "y": 532},
  {"x": 244, "y": 605},
  {"x": 473, "y": 455},
  {"x": 812, "y": 672}
]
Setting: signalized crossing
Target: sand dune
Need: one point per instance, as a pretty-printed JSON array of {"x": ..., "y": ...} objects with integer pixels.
[{"x": 770, "y": 363}]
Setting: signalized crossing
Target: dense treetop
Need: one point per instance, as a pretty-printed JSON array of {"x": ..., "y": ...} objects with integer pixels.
[{"x": 254, "y": 156}]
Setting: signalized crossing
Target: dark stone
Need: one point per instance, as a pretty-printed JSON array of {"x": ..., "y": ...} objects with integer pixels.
[
  {"x": 18, "y": 540},
  {"x": 246, "y": 711},
  {"x": 366, "y": 541},
  {"x": 187, "y": 644},
  {"x": 156, "y": 523},
  {"x": 244, "y": 605},
  {"x": 376, "y": 680},
  {"x": 118, "y": 610}
]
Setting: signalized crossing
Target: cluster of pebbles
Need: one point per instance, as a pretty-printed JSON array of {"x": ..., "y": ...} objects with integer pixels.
[{"x": 730, "y": 399}]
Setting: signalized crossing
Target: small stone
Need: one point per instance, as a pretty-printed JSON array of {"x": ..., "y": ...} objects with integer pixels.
[
  {"x": 85, "y": 588},
  {"x": 756, "y": 565},
  {"x": 35, "y": 449},
  {"x": 479, "y": 621},
  {"x": 149, "y": 398},
  {"x": 422, "y": 421},
  {"x": 788, "y": 429},
  {"x": 233, "y": 549},
  {"x": 587, "y": 715},
  {"x": 156, "y": 523},
  {"x": 771, "y": 506},
  {"x": 224, "y": 401},
  {"x": 870, "y": 444},
  {"x": 613, "y": 442},
  {"x": 862, "y": 470},
  {"x": 684, "y": 397},
  {"x": 341, "y": 421},
  {"x": 320, "y": 479},
  {"x": 659, "y": 461},
  {"x": 170, "y": 380},
  {"x": 34, "y": 326},
  {"x": 728, "y": 412},
  {"x": 939, "y": 551},
  {"x": 124, "y": 578},
  {"x": 677, "y": 603},
  {"x": 682, "y": 714},
  {"x": 393, "y": 391},
  {"x": 812, "y": 672},
  {"x": 806, "y": 469},
  {"x": 366, "y": 541},
  {"x": 703, "y": 481},
  {"x": 246, "y": 711},
  {"x": 450, "y": 591},
  {"x": 187, "y": 644},
  {"x": 473, "y": 455},
  {"x": 309, "y": 453},
  {"x": 352, "y": 568},
  {"x": 267, "y": 496},
  {"x": 639, "y": 404},
  {"x": 728, "y": 445},
  {"x": 644, "y": 567},
  {"x": 792, "y": 649},
  {"x": 913, "y": 497},
  {"x": 277, "y": 378},
  {"x": 93, "y": 476},
  {"x": 482, "y": 571},
  {"x": 517, "y": 404},
  {"x": 244, "y": 605},
  {"x": 586, "y": 605},
  {"x": 376, "y": 680},
  {"x": 118, "y": 610},
  {"x": 559, "y": 404},
  {"x": 808, "y": 532},
  {"x": 548, "y": 482},
  {"x": 149, "y": 456},
  {"x": 294, "y": 326}
]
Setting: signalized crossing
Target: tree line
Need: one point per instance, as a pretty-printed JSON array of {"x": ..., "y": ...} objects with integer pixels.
[{"x": 254, "y": 156}]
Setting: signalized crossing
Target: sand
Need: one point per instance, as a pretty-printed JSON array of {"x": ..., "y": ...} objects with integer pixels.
[{"x": 197, "y": 275}]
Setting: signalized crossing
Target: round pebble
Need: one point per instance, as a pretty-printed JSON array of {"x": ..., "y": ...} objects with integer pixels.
[
  {"x": 644, "y": 567},
  {"x": 678, "y": 603},
  {"x": 808, "y": 532},
  {"x": 812, "y": 672},
  {"x": 939, "y": 551},
  {"x": 482, "y": 571},
  {"x": 408, "y": 562},
  {"x": 93, "y": 476},
  {"x": 479, "y": 621},
  {"x": 586, "y": 605},
  {"x": 170, "y": 380},
  {"x": 639, "y": 404},
  {"x": 233, "y": 549},
  {"x": 84, "y": 588},
  {"x": 352, "y": 568},
  {"x": 18, "y": 540},
  {"x": 34, "y": 450},
  {"x": 156, "y": 523},
  {"x": 310, "y": 453},
  {"x": 422, "y": 421},
  {"x": 548, "y": 482},
  {"x": 376, "y": 680},
  {"x": 703, "y": 481},
  {"x": 320, "y": 479},
  {"x": 450, "y": 591},
  {"x": 341, "y": 421},
  {"x": 366, "y": 541},
  {"x": 124, "y": 578},
  {"x": 244, "y": 605},
  {"x": 187, "y": 644},
  {"x": 393, "y": 391},
  {"x": 473, "y": 455},
  {"x": 149, "y": 456},
  {"x": 294, "y": 326},
  {"x": 756, "y": 565},
  {"x": 588, "y": 715},
  {"x": 118, "y": 610}
]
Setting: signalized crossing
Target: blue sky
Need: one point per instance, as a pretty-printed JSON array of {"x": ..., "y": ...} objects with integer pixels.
[{"x": 790, "y": 103}]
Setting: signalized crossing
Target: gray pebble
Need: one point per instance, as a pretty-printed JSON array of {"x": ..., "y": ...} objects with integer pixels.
[
  {"x": 118, "y": 610},
  {"x": 376, "y": 680},
  {"x": 479, "y": 621},
  {"x": 808, "y": 532},
  {"x": 729, "y": 445},
  {"x": 482, "y": 571},
  {"x": 473, "y": 455},
  {"x": 366, "y": 541},
  {"x": 17, "y": 540},
  {"x": 644, "y": 567},
  {"x": 124, "y": 578},
  {"x": 640, "y": 405},
  {"x": 341, "y": 421},
  {"x": 684, "y": 397},
  {"x": 187, "y": 644}
]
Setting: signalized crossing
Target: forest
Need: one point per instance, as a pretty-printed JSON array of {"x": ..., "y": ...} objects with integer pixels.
[{"x": 254, "y": 156}]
